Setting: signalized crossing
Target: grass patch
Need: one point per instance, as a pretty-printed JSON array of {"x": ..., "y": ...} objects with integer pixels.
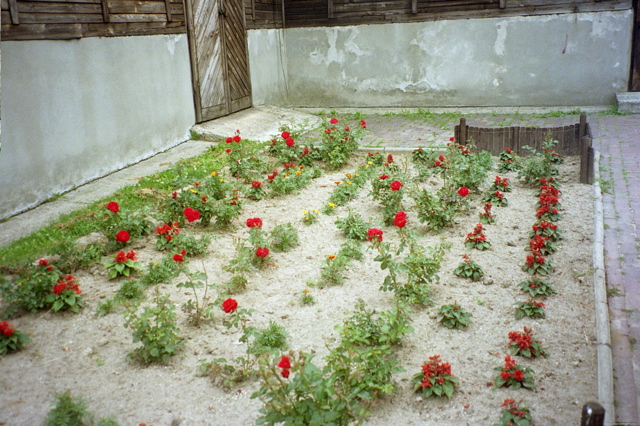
[
  {"x": 147, "y": 193},
  {"x": 558, "y": 113}
]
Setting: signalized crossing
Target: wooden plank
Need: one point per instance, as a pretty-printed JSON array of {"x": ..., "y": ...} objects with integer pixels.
[
  {"x": 42, "y": 32},
  {"x": 414, "y": 6},
  {"x": 67, "y": 18},
  {"x": 330, "y": 9},
  {"x": 167, "y": 4},
  {"x": 105, "y": 11},
  {"x": 59, "y": 8},
  {"x": 13, "y": 11},
  {"x": 585, "y": 144}
]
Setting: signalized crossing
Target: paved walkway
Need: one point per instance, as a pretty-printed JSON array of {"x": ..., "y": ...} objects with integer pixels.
[{"x": 616, "y": 137}]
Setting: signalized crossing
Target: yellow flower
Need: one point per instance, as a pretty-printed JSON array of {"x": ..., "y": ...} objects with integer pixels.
[
  {"x": 193, "y": 190},
  {"x": 369, "y": 162},
  {"x": 298, "y": 172},
  {"x": 214, "y": 173},
  {"x": 357, "y": 174},
  {"x": 221, "y": 180},
  {"x": 306, "y": 218},
  {"x": 331, "y": 256},
  {"x": 348, "y": 175},
  {"x": 304, "y": 212},
  {"x": 316, "y": 211},
  {"x": 349, "y": 182},
  {"x": 337, "y": 182},
  {"x": 306, "y": 291},
  {"x": 332, "y": 205}
]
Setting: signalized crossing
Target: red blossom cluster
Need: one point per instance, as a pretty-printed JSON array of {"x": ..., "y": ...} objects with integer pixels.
[
  {"x": 477, "y": 235},
  {"x": 235, "y": 138},
  {"x": 179, "y": 257},
  {"x": 113, "y": 206},
  {"x": 513, "y": 408},
  {"x": 262, "y": 252},
  {"x": 498, "y": 195},
  {"x": 396, "y": 185},
  {"x": 254, "y": 222},
  {"x": 67, "y": 283},
  {"x": 122, "y": 257},
  {"x": 511, "y": 370},
  {"x": 487, "y": 210},
  {"x": 6, "y": 329},
  {"x": 383, "y": 177},
  {"x": 501, "y": 182},
  {"x": 229, "y": 305},
  {"x": 535, "y": 257},
  {"x": 374, "y": 234},
  {"x": 441, "y": 162},
  {"x": 285, "y": 365},
  {"x": 400, "y": 220},
  {"x": 272, "y": 176},
  {"x": 168, "y": 230},
  {"x": 435, "y": 369},
  {"x": 256, "y": 184},
  {"x": 191, "y": 215},
  {"x": 45, "y": 263},
  {"x": 544, "y": 225}
]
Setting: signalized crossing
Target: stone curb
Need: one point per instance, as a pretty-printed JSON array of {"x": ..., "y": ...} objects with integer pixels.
[{"x": 603, "y": 333}]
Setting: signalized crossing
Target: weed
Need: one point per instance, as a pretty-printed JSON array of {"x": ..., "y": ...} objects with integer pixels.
[
  {"x": 67, "y": 411},
  {"x": 613, "y": 292}
]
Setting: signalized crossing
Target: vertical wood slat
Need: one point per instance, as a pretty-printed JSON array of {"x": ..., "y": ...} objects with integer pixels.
[
  {"x": 253, "y": 10},
  {"x": 282, "y": 11},
  {"x": 13, "y": 11},
  {"x": 329, "y": 9},
  {"x": 585, "y": 144},
  {"x": 463, "y": 130},
  {"x": 105, "y": 11},
  {"x": 414, "y": 6},
  {"x": 167, "y": 5}
]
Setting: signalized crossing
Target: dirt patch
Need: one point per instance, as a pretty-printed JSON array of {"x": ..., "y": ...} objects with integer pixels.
[{"x": 87, "y": 354}]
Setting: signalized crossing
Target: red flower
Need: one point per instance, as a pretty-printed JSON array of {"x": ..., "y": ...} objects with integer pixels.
[
  {"x": 306, "y": 150},
  {"x": 122, "y": 236},
  {"x": 113, "y": 206},
  {"x": 256, "y": 184},
  {"x": 228, "y": 150},
  {"x": 334, "y": 121},
  {"x": 400, "y": 220},
  {"x": 132, "y": 255},
  {"x": 509, "y": 363},
  {"x": 43, "y": 262},
  {"x": 289, "y": 142},
  {"x": 363, "y": 124},
  {"x": 374, "y": 234},
  {"x": 191, "y": 214},
  {"x": 383, "y": 177},
  {"x": 254, "y": 222},
  {"x": 229, "y": 139},
  {"x": 121, "y": 257},
  {"x": 285, "y": 135},
  {"x": 463, "y": 192},
  {"x": 518, "y": 375},
  {"x": 262, "y": 252},
  {"x": 285, "y": 373},
  {"x": 508, "y": 151},
  {"x": 452, "y": 139},
  {"x": 178, "y": 258},
  {"x": 6, "y": 328},
  {"x": 285, "y": 362},
  {"x": 237, "y": 138},
  {"x": 396, "y": 185},
  {"x": 229, "y": 305}
]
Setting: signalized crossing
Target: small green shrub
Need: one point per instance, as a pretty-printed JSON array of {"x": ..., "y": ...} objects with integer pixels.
[
  {"x": 68, "y": 411},
  {"x": 283, "y": 238},
  {"x": 453, "y": 316}
]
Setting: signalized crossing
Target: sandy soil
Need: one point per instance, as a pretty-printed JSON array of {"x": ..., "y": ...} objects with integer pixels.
[{"x": 88, "y": 354}]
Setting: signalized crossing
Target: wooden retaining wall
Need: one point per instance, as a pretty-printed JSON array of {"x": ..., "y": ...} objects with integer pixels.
[{"x": 574, "y": 139}]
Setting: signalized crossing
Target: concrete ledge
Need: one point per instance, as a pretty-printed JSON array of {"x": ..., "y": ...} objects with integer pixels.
[
  {"x": 603, "y": 333},
  {"x": 629, "y": 102}
]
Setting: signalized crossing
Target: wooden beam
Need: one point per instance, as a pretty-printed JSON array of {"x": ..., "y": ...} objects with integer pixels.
[
  {"x": 105, "y": 11},
  {"x": 414, "y": 6},
  {"x": 13, "y": 11},
  {"x": 253, "y": 10},
  {"x": 167, "y": 4},
  {"x": 330, "y": 9}
]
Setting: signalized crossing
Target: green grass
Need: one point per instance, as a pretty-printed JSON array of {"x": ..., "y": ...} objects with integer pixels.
[
  {"x": 148, "y": 192},
  {"x": 558, "y": 113}
]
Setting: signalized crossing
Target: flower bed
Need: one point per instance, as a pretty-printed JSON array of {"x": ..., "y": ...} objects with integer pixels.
[{"x": 88, "y": 354}]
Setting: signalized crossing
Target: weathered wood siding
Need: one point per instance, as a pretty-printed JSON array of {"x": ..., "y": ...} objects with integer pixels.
[
  {"x": 314, "y": 13},
  {"x": 72, "y": 19}
]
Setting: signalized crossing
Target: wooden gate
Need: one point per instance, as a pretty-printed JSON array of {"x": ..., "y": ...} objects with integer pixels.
[{"x": 219, "y": 58}]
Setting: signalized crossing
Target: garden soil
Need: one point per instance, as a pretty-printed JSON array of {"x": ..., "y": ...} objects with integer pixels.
[{"x": 87, "y": 354}]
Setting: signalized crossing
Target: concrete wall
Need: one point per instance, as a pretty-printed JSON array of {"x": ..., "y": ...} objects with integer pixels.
[
  {"x": 267, "y": 67},
  {"x": 73, "y": 111},
  {"x": 571, "y": 59}
]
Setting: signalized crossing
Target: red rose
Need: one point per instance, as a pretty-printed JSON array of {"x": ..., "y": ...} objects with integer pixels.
[
  {"x": 43, "y": 262},
  {"x": 400, "y": 220},
  {"x": 191, "y": 214},
  {"x": 178, "y": 258},
  {"x": 334, "y": 121},
  {"x": 463, "y": 192},
  {"x": 285, "y": 362},
  {"x": 289, "y": 142},
  {"x": 396, "y": 185},
  {"x": 384, "y": 177},
  {"x": 452, "y": 139},
  {"x": 122, "y": 236},
  {"x": 306, "y": 150},
  {"x": 113, "y": 206},
  {"x": 285, "y": 373},
  {"x": 8, "y": 332},
  {"x": 262, "y": 252},
  {"x": 229, "y": 140},
  {"x": 237, "y": 138},
  {"x": 256, "y": 184},
  {"x": 229, "y": 305},
  {"x": 374, "y": 234},
  {"x": 228, "y": 150},
  {"x": 285, "y": 135},
  {"x": 363, "y": 124},
  {"x": 254, "y": 222}
]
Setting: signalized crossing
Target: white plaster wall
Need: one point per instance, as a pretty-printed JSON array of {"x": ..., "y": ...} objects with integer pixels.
[
  {"x": 267, "y": 67},
  {"x": 570, "y": 59},
  {"x": 73, "y": 111}
]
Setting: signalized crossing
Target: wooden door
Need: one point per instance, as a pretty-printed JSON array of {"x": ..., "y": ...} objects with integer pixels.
[
  {"x": 634, "y": 81},
  {"x": 219, "y": 57}
]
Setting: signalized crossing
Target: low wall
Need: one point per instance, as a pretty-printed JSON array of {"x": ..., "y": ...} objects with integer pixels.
[
  {"x": 73, "y": 111},
  {"x": 551, "y": 60}
]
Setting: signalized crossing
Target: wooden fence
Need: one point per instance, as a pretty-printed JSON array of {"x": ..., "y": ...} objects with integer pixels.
[{"x": 574, "y": 139}]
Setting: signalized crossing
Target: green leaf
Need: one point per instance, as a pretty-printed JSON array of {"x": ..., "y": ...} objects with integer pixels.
[{"x": 448, "y": 389}]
